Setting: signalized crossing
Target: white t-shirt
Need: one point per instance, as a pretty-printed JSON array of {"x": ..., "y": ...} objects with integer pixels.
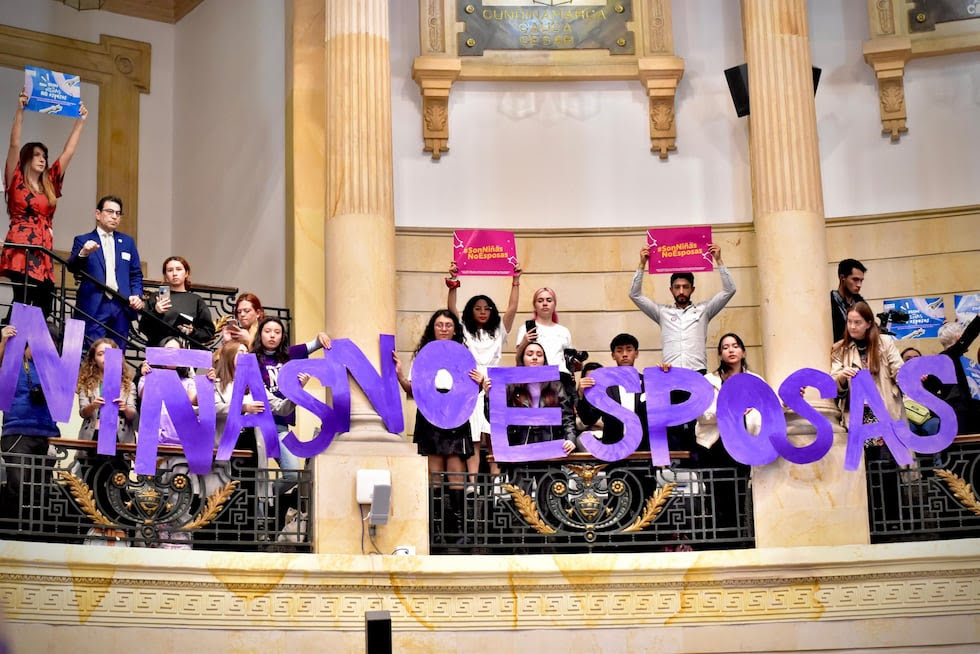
[
  {"x": 486, "y": 349},
  {"x": 554, "y": 339}
]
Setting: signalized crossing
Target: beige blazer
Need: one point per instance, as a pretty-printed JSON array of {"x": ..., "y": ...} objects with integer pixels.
[{"x": 885, "y": 380}]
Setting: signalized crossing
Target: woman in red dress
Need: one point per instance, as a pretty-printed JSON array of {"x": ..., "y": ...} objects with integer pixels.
[{"x": 32, "y": 191}]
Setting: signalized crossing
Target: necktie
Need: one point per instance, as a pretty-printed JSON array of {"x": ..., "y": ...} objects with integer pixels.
[{"x": 109, "y": 252}]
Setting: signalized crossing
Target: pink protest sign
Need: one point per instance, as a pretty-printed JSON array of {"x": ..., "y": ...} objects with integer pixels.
[
  {"x": 680, "y": 249},
  {"x": 484, "y": 252}
]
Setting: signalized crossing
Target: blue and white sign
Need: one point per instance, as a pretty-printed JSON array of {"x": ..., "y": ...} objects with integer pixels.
[
  {"x": 972, "y": 370},
  {"x": 967, "y": 306},
  {"x": 53, "y": 93},
  {"x": 926, "y": 316}
]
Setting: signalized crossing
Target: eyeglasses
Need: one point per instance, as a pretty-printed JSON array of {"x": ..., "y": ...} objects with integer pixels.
[{"x": 113, "y": 212}]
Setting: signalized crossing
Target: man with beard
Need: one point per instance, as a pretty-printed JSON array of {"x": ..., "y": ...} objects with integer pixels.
[
  {"x": 684, "y": 328},
  {"x": 684, "y": 325},
  {"x": 850, "y": 273}
]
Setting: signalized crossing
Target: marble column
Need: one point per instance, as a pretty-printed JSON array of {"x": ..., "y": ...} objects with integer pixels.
[
  {"x": 359, "y": 274},
  {"x": 820, "y": 503}
]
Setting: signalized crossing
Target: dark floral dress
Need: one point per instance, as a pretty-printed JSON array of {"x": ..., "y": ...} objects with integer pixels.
[{"x": 31, "y": 218}]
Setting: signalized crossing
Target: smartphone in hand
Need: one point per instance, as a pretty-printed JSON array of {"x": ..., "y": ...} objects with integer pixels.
[{"x": 529, "y": 325}]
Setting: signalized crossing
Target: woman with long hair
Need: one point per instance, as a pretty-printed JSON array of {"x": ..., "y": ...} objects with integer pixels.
[
  {"x": 176, "y": 311},
  {"x": 271, "y": 348},
  {"x": 864, "y": 347},
  {"x": 33, "y": 188},
  {"x": 243, "y": 326},
  {"x": 484, "y": 334},
  {"x": 537, "y": 395},
  {"x": 731, "y": 361},
  {"x": 545, "y": 330},
  {"x": 728, "y": 491},
  {"x": 91, "y": 401},
  {"x": 445, "y": 450}
]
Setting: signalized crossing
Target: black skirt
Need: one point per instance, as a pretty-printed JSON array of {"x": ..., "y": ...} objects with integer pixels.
[{"x": 433, "y": 441}]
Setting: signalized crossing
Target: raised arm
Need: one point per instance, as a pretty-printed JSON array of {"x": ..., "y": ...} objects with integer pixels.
[
  {"x": 721, "y": 298},
  {"x": 453, "y": 285},
  {"x": 645, "y": 304},
  {"x": 72, "y": 143},
  {"x": 13, "y": 152},
  {"x": 514, "y": 299},
  {"x": 960, "y": 347}
]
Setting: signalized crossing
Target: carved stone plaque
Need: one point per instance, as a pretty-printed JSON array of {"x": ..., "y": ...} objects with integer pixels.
[
  {"x": 538, "y": 40},
  {"x": 545, "y": 25},
  {"x": 925, "y": 14}
]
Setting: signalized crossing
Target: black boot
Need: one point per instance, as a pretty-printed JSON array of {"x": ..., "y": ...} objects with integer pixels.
[{"x": 455, "y": 520}]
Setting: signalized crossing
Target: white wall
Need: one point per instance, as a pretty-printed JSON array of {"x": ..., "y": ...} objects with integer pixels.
[
  {"x": 76, "y": 207},
  {"x": 229, "y": 119},
  {"x": 522, "y": 154},
  {"x": 577, "y": 154}
]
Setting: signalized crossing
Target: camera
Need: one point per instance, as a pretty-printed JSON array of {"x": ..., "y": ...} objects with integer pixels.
[
  {"x": 36, "y": 395},
  {"x": 893, "y": 317},
  {"x": 572, "y": 355}
]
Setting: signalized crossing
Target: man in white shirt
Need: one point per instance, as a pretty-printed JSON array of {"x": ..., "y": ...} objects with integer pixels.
[
  {"x": 684, "y": 327},
  {"x": 683, "y": 324}
]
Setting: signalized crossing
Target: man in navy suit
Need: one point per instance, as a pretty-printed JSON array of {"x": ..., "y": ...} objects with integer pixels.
[{"x": 109, "y": 257}]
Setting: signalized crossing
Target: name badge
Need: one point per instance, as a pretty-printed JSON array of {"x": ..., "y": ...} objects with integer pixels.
[{"x": 126, "y": 256}]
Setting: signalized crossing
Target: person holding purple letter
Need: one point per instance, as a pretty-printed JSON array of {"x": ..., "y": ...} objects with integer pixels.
[
  {"x": 683, "y": 327},
  {"x": 445, "y": 450},
  {"x": 485, "y": 331}
]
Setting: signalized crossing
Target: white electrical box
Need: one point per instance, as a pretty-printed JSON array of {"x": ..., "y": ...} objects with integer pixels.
[{"x": 367, "y": 480}]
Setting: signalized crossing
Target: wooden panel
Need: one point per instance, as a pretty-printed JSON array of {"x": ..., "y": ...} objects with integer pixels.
[
  {"x": 164, "y": 11},
  {"x": 925, "y": 253}
]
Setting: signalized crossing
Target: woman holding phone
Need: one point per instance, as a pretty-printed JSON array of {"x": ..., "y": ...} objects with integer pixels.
[
  {"x": 175, "y": 311},
  {"x": 545, "y": 330},
  {"x": 242, "y": 327},
  {"x": 864, "y": 347}
]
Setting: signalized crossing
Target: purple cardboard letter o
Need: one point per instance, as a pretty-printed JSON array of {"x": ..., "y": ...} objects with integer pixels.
[
  {"x": 789, "y": 391},
  {"x": 450, "y": 409},
  {"x": 739, "y": 393}
]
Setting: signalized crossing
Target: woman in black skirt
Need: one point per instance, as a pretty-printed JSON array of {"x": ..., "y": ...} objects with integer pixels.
[{"x": 445, "y": 449}]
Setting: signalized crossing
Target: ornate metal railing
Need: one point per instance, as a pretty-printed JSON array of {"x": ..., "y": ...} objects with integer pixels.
[
  {"x": 72, "y": 494},
  {"x": 934, "y": 499},
  {"x": 582, "y": 504}
]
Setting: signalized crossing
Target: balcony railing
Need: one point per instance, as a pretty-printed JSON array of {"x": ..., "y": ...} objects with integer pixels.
[
  {"x": 584, "y": 505},
  {"x": 934, "y": 499},
  {"x": 72, "y": 494}
]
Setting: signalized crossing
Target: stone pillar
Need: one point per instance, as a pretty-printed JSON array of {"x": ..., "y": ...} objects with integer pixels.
[
  {"x": 359, "y": 272},
  {"x": 820, "y": 503}
]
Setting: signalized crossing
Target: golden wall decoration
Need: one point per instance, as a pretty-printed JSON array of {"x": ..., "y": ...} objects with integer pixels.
[
  {"x": 121, "y": 69},
  {"x": 901, "y": 32},
  {"x": 641, "y": 48}
]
